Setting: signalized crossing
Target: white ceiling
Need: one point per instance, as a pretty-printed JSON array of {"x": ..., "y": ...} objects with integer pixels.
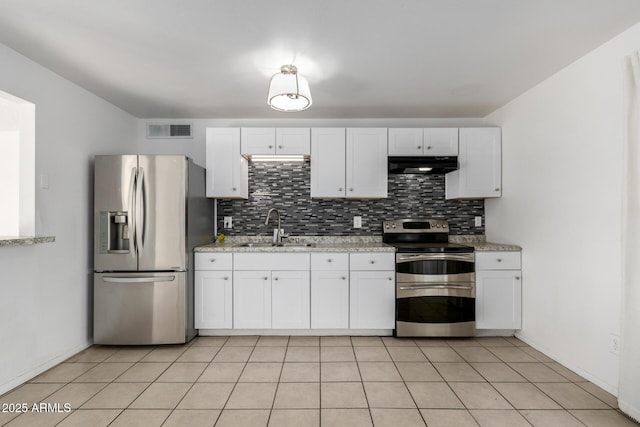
[{"x": 363, "y": 58}]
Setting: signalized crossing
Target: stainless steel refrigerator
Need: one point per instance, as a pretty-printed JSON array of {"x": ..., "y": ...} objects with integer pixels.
[{"x": 149, "y": 214}]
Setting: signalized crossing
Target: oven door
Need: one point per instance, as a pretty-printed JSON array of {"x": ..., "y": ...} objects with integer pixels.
[{"x": 435, "y": 295}]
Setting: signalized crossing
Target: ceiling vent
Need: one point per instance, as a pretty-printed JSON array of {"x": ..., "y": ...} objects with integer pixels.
[{"x": 169, "y": 130}]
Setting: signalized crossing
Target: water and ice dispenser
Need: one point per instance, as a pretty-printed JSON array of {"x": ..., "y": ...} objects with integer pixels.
[{"x": 114, "y": 232}]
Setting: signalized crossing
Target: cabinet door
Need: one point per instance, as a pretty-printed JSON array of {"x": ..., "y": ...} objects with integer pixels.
[
  {"x": 330, "y": 299},
  {"x": 258, "y": 141},
  {"x": 252, "y": 299},
  {"x": 498, "y": 299},
  {"x": 227, "y": 170},
  {"x": 441, "y": 141},
  {"x": 290, "y": 299},
  {"x": 366, "y": 171},
  {"x": 293, "y": 141},
  {"x": 328, "y": 162},
  {"x": 213, "y": 300},
  {"x": 480, "y": 172},
  {"x": 405, "y": 142},
  {"x": 372, "y": 300}
]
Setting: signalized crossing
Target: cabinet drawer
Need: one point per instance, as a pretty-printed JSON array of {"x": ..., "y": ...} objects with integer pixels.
[
  {"x": 213, "y": 261},
  {"x": 498, "y": 260},
  {"x": 267, "y": 261},
  {"x": 329, "y": 261},
  {"x": 372, "y": 261}
]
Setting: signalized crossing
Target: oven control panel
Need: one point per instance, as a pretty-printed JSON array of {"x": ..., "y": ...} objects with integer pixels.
[{"x": 415, "y": 226}]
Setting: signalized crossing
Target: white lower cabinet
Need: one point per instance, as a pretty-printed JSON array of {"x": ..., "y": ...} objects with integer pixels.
[
  {"x": 252, "y": 299},
  {"x": 290, "y": 300},
  {"x": 266, "y": 296},
  {"x": 330, "y": 291},
  {"x": 213, "y": 299},
  {"x": 295, "y": 291},
  {"x": 498, "y": 290},
  {"x": 372, "y": 291}
]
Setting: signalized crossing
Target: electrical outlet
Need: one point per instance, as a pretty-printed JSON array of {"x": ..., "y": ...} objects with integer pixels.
[
  {"x": 228, "y": 222},
  {"x": 357, "y": 222},
  {"x": 614, "y": 345},
  {"x": 478, "y": 221}
]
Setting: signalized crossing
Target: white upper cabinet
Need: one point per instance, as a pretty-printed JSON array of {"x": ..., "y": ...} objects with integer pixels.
[
  {"x": 293, "y": 141},
  {"x": 480, "y": 171},
  {"x": 440, "y": 141},
  {"x": 273, "y": 141},
  {"x": 227, "y": 170},
  {"x": 351, "y": 163},
  {"x": 366, "y": 169},
  {"x": 406, "y": 142},
  {"x": 258, "y": 141},
  {"x": 423, "y": 142},
  {"x": 328, "y": 162}
]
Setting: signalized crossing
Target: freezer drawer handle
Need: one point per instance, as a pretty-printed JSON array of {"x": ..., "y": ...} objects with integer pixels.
[{"x": 139, "y": 279}]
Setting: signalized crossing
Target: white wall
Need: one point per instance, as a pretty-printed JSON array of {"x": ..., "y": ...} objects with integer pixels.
[
  {"x": 45, "y": 290},
  {"x": 562, "y": 176}
]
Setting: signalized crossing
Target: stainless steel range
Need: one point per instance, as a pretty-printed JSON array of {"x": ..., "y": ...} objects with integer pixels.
[{"x": 435, "y": 280}]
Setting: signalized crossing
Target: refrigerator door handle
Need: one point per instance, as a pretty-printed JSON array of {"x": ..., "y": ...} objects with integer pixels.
[
  {"x": 138, "y": 279},
  {"x": 132, "y": 201},
  {"x": 140, "y": 210}
]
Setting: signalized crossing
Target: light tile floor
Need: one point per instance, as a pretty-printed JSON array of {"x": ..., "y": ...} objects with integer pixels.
[{"x": 314, "y": 381}]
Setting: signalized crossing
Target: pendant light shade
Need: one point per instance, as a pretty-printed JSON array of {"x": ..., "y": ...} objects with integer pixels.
[{"x": 289, "y": 91}]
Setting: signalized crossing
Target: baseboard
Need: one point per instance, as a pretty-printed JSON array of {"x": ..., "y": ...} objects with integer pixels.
[
  {"x": 586, "y": 375},
  {"x": 298, "y": 332},
  {"x": 42, "y": 367},
  {"x": 629, "y": 410}
]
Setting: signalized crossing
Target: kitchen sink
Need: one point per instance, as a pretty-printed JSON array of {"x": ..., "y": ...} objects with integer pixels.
[{"x": 274, "y": 245}]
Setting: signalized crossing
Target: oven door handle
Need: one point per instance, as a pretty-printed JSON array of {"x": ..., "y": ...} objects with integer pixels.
[
  {"x": 435, "y": 286},
  {"x": 400, "y": 258}
]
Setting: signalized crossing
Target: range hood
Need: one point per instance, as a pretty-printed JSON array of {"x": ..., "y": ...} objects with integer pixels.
[{"x": 423, "y": 164}]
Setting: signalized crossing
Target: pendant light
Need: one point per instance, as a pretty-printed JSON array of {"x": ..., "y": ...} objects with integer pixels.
[{"x": 289, "y": 91}]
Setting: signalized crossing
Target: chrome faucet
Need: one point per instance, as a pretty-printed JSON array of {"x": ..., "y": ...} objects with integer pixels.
[{"x": 279, "y": 236}]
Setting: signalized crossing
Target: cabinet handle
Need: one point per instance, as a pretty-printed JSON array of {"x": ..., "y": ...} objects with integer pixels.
[
  {"x": 329, "y": 260},
  {"x": 339, "y": 189},
  {"x": 372, "y": 262},
  {"x": 226, "y": 278},
  {"x": 234, "y": 189},
  {"x": 517, "y": 277},
  {"x": 265, "y": 278},
  {"x": 497, "y": 189},
  {"x": 428, "y": 147},
  {"x": 271, "y": 146},
  {"x": 343, "y": 278},
  {"x": 419, "y": 147},
  {"x": 390, "y": 278},
  {"x": 275, "y": 278},
  {"x": 280, "y": 147},
  {"x": 351, "y": 189},
  {"x": 212, "y": 260}
]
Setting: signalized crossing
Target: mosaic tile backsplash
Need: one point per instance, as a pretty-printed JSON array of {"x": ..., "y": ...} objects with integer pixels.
[{"x": 286, "y": 186}]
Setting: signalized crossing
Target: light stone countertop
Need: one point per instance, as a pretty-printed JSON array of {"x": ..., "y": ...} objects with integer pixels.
[
  {"x": 480, "y": 243},
  {"x": 322, "y": 244},
  {"x": 13, "y": 241}
]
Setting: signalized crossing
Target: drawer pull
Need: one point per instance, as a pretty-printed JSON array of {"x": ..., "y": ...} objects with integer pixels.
[
  {"x": 280, "y": 147},
  {"x": 419, "y": 147},
  {"x": 390, "y": 278},
  {"x": 499, "y": 259},
  {"x": 428, "y": 147},
  {"x": 329, "y": 260},
  {"x": 517, "y": 277},
  {"x": 275, "y": 278},
  {"x": 343, "y": 278},
  {"x": 339, "y": 189},
  {"x": 212, "y": 260},
  {"x": 226, "y": 278},
  {"x": 271, "y": 146},
  {"x": 372, "y": 262},
  {"x": 265, "y": 278}
]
